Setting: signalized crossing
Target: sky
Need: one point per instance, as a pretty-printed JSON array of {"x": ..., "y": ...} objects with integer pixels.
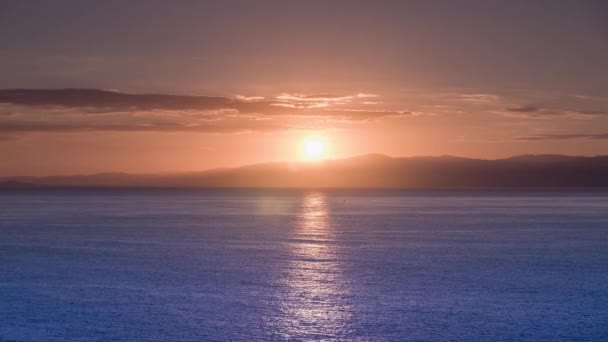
[{"x": 161, "y": 86}]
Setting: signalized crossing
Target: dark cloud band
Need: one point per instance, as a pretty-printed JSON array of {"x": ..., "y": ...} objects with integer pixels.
[
  {"x": 75, "y": 110},
  {"x": 541, "y": 137}
]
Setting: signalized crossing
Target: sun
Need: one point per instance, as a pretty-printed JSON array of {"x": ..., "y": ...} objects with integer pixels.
[{"x": 314, "y": 148}]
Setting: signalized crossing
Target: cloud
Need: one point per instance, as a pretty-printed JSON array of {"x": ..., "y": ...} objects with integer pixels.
[
  {"x": 531, "y": 112},
  {"x": 529, "y": 109},
  {"x": 321, "y": 100},
  {"x": 364, "y": 95},
  {"x": 307, "y": 101},
  {"x": 77, "y": 110},
  {"x": 480, "y": 98},
  {"x": 249, "y": 98},
  {"x": 302, "y": 105},
  {"x": 538, "y": 112},
  {"x": 149, "y": 122},
  {"x": 314, "y": 97},
  {"x": 361, "y": 114},
  {"x": 324, "y": 97},
  {"x": 540, "y": 137},
  {"x": 208, "y": 128},
  {"x": 112, "y": 101},
  {"x": 592, "y": 112}
]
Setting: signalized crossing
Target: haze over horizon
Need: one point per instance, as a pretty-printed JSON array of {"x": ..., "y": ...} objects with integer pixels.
[
  {"x": 372, "y": 171},
  {"x": 317, "y": 163},
  {"x": 153, "y": 86}
]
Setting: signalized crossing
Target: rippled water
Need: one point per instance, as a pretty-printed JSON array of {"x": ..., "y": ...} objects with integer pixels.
[{"x": 152, "y": 265}]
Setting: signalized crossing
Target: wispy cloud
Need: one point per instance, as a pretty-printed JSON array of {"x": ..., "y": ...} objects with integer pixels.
[
  {"x": 249, "y": 98},
  {"x": 592, "y": 112},
  {"x": 479, "y": 98},
  {"x": 539, "y": 137},
  {"x": 305, "y": 101},
  {"x": 365, "y": 95},
  {"x": 362, "y": 114},
  {"x": 538, "y": 112},
  {"x": 528, "y": 109},
  {"x": 113, "y": 101},
  {"x": 532, "y": 112},
  {"x": 67, "y": 110}
]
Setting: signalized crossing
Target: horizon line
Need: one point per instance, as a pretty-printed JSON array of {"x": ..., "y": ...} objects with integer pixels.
[{"x": 300, "y": 162}]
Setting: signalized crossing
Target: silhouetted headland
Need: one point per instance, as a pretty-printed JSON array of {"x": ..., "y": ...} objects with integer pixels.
[{"x": 367, "y": 171}]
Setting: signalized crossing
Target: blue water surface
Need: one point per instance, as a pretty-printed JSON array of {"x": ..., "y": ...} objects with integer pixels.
[{"x": 227, "y": 265}]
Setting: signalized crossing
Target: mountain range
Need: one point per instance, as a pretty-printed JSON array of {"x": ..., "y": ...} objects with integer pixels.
[{"x": 366, "y": 171}]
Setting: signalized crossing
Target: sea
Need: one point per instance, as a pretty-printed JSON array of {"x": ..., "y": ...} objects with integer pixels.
[{"x": 295, "y": 265}]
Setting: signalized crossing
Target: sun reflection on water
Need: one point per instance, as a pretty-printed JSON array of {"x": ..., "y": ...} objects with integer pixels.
[{"x": 314, "y": 304}]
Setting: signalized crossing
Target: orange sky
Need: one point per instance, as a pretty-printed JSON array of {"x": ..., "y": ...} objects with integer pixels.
[{"x": 234, "y": 83}]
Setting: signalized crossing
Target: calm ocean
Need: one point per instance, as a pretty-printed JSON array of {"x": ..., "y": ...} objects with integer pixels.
[{"x": 194, "y": 265}]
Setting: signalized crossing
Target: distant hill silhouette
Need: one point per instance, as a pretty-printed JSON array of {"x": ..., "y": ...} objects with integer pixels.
[
  {"x": 367, "y": 171},
  {"x": 13, "y": 184}
]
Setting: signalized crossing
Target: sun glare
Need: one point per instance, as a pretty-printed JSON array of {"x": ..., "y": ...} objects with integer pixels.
[{"x": 314, "y": 148}]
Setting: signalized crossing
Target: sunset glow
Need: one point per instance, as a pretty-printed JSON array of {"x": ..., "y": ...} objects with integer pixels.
[
  {"x": 314, "y": 148},
  {"x": 252, "y": 91},
  {"x": 362, "y": 170}
]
